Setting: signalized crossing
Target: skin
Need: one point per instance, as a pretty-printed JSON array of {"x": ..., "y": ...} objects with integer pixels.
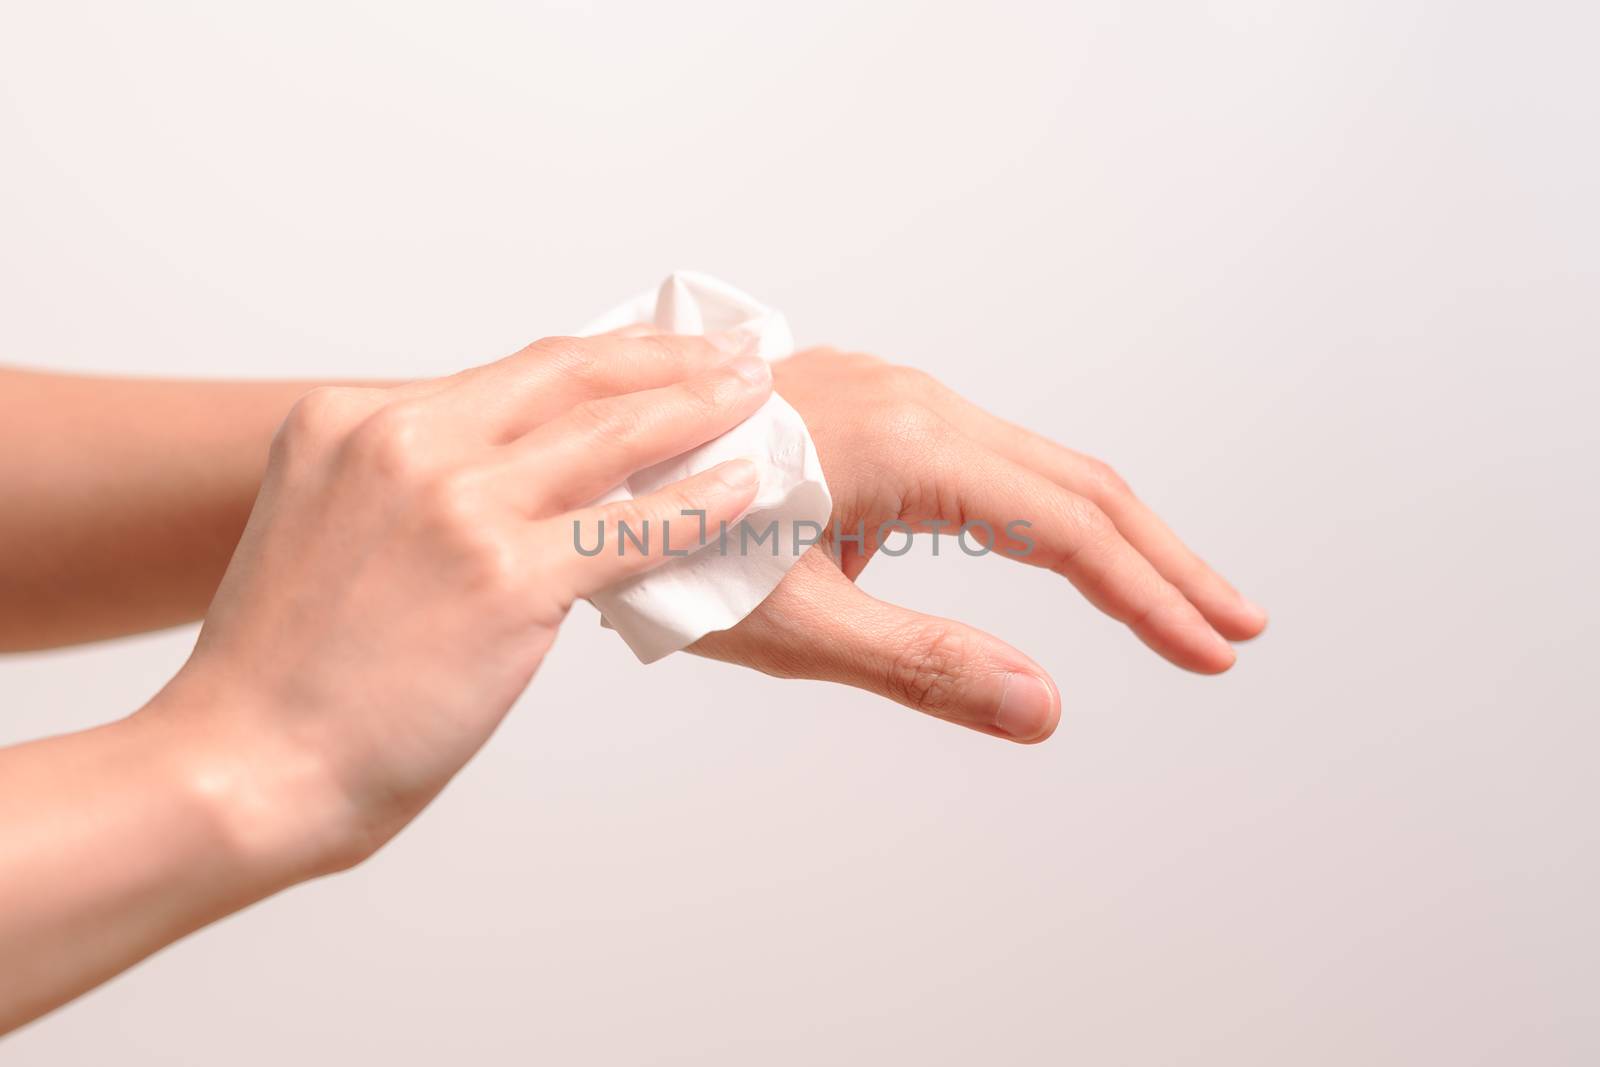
[
  {"x": 124, "y": 498},
  {"x": 400, "y": 563},
  {"x": 895, "y": 444},
  {"x": 399, "y": 581}
]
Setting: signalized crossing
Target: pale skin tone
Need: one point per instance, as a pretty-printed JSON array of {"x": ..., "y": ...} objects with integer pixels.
[{"x": 400, "y": 563}]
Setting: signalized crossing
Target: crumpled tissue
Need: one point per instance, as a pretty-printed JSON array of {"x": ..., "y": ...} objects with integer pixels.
[{"x": 680, "y": 601}]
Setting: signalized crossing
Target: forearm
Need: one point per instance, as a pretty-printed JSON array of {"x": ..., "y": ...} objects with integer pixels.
[
  {"x": 119, "y": 840},
  {"x": 123, "y": 498},
  {"x": 341, "y": 681}
]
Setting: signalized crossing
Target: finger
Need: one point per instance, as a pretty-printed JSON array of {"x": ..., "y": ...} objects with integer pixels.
[
  {"x": 818, "y": 624},
  {"x": 428, "y": 386},
  {"x": 1073, "y": 537},
  {"x": 1224, "y": 607},
  {"x": 507, "y": 398},
  {"x": 605, "y": 544},
  {"x": 577, "y": 456}
]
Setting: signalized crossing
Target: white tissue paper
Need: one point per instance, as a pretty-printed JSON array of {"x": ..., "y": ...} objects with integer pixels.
[{"x": 685, "y": 598}]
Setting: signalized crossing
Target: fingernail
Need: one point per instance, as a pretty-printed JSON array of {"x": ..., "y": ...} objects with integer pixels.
[
  {"x": 1026, "y": 703},
  {"x": 730, "y": 342},
  {"x": 752, "y": 369},
  {"x": 738, "y": 474}
]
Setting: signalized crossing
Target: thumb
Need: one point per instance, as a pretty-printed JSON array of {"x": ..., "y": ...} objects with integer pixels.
[{"x": 817, "y": 624}]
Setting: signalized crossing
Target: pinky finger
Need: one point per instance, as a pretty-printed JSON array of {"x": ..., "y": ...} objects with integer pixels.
[{"x": 604, "y": 544}]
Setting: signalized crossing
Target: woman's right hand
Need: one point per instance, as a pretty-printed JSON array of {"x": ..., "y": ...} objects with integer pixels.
[{"x": 408, "y": 561}]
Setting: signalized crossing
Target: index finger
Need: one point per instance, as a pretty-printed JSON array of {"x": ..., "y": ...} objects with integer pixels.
[
  {"x": 511, "y": 396},
  {"x": 1070, "y": 535},
  {"x": 1223, "y": 606}
]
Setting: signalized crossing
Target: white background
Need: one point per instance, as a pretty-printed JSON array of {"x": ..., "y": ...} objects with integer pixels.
[{"x": 1319, "y": 280}]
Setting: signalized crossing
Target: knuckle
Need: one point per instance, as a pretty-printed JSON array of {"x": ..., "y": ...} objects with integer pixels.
[
  {"x": 664, "y": 349},
  {"x": 489, "y": 565},
  {"x": 836, "y": 362},
  {"x": 449, "y": 499},
  {"x": 1103, "y": 480},
  {"x": 319, "y": 409},
  {"x": 685, "y": 498},
  {"x": 452, "y": 504},
  {"x": 572, "y": 357},
  {"x": 627, "y": 513},
  {"x": 925, "y": 672},
  {"x": 390, "y": 441},
  {"x": 707, "y": 395},
  {"x": 609, "y": 419},
  {"x": 315, "y": 420},
  {"x": 1094, "y": 526},
  {"x": 914, "y": 427},
  {"x": 861, "y": 361},
  {"x": 914, "y": 381}
]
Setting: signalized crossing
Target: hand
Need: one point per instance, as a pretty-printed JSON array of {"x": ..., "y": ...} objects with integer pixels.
[
  {"x": 406, "y": 566},
  {"x": 896, "y": 445}
]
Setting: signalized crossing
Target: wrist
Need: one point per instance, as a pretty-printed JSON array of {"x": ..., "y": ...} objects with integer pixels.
[{"x": 269, "y": 806}]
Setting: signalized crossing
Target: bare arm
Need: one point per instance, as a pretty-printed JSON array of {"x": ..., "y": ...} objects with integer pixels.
[
  {"x": 120, "y": 839},
  {"x": 404, "y": 570},
  {"x": 123, "y": 498}
]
